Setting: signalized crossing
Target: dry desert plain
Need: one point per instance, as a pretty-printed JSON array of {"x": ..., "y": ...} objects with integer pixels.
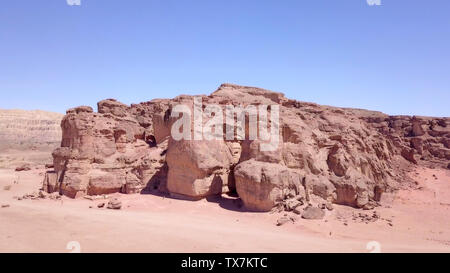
[{"x": 410, "y": 221}]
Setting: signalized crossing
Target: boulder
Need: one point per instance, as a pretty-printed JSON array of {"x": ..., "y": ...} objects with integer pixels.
[
  {"x": 298, "y": 210},
  {"x": 282, "y": 220},
  {"x": 198, "y": 169},
  {"x": 320, "y": 186},
  {"x": 313, "y": 213},
  {"x": 262, "y": 185},
  {"x": 114, "y": 203},
  {"x": 291, "y": 204}
]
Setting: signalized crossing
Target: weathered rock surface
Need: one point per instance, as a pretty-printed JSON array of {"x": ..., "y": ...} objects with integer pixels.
[
  {"x": 282, "y": 220},
  {"x": 262, "y": 185},
  {"x": 313, "y": 213},
  {"x": 208, "y": 164},
  {"x": 114, "y": 203},
  {"x": 324, "y": 154},
  {"x": 107, "y": 152}
]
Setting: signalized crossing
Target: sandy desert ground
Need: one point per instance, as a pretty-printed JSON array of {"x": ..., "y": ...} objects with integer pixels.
[
  {"x": 409, "y": 221},
  {"x": 12, "y": 158}
]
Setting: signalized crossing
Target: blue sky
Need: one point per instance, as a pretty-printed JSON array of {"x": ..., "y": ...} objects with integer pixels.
[{"x": 394, "y": 58}]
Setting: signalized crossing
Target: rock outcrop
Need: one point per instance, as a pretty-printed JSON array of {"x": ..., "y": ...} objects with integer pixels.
[
  {"x": 323, "y": 154},
  {"x": 109, "y": 151}
]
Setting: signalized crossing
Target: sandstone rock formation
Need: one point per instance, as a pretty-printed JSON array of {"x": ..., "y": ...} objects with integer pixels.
[
  {"x": 325, "y": 154},
  {"x": 313, "y": 213}
]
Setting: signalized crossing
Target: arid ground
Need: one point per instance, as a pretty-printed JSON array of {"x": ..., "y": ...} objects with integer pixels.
[{"x": 409, "y": 221}]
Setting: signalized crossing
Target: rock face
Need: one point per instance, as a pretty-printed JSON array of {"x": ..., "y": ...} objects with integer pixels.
[
  {"x": 323, "y": 155},
  {"x": 20, "y": 129},
  {"x": 208, "y": 164},
  {"x": 110, "y": 151},
  {"x": 263, "y": 185},
  {"x": 313, "y": 213}
]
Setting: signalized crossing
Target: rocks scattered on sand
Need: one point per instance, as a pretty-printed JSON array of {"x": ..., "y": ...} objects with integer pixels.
[
  {"x": 286, "y": 218},
  {"x": 389, "y": 222},
  {"x": 5, "y": 205},
  {"x": 114, "y": 203},
  {"x": 96, "y": 197},
  {"x": 42, "y": 194},
  {"x": 54, "y": 196},
  {"x": 365, "y": 217},
  {"x": 278, "y": 208},
  {"x": 39, "y": 195},
  {"x": 282, "y": 220},
  {"x": 298, "y": 210},
  {"x": 32, "y": 196},
  {"x": 292, "y": 204},
  {"x": 101, "y": 205},
  {"x": 7, "y": 187},
  {"x": 313, "y": 213},
  {"x": 22, "y": 168}
]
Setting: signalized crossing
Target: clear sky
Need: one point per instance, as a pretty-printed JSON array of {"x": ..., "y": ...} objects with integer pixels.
[{"x": 394, "y": 57}]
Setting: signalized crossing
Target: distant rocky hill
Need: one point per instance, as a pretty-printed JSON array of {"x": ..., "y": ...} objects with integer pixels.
[
  {"x": 28, "y": 137},
  {"x": 24, "y": 130},
  {"x": 325, "y": 154}
]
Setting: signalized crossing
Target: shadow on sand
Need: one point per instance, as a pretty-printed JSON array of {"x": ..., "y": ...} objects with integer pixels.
[{"x": 229, "y": 201}]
